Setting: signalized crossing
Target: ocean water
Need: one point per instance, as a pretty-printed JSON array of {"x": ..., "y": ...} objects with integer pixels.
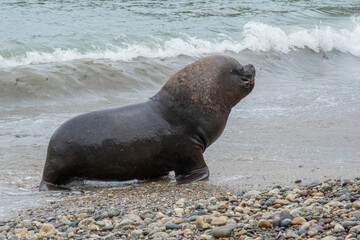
[{"x": 62, "y": 58}]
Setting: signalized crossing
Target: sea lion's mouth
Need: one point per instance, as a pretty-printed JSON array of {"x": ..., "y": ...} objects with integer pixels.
[
  {"x": 247, "y": 81},
  {"x": 248, "y": 76}
]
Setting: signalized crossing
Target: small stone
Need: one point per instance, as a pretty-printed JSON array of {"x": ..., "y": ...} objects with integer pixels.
[
  {"x": 270, "y": 202},
  {"x": 328, "y": 220},
  {"x": 329, "y": 238},
  {"x": 179, "y": 212},
  {"x": 219, "y": 220},
  {"x": 157, "y": 225},
  {"x": 285, "y": 214},
  {"x": 199, "y": 213},
  {"x": 71, "y": 230},
  {"x": 80, "y": 215},
  {"x": 160, "y": 235},
  {"x": 5, "y": 228},
  {"x": 231, "y": 222},
  {"x": 347, "y": 182},
  {"x": 326, "y": 187},
  {"x": 135, "y": 218},
  {"x": 86, "y": 222},
  {"x": 241, "y": 232},
  {"x": 159, "y": 215},
  {"x": 175, "y": 233},
  {"x": 355, "y": 229},
  {"x": 12, "y": 237},
  {"x": 103, "y": 223},
  {"x": 172, "y": 226},
  {"x": 317, "y": 227},
  {"x": 291, "y": 234},
  {"x": 264, "y": 223},
  {"x": 74, "y": 223},
  {"x": 338, "y": 228},
  {"x": 63, "y": 221},
  {"x": 93, "y": 227},
  {"x": 305, "y": 226},
  {"x": 356, "y": 205},
  {"x": 285, "y": 223},
  {"x": 348, "y": 224},
  {"x": 147, "y": 215},
  {"x": 146, "y": 232},
  {"x": 62, "y": 229},
  {"x": 252, "y": 194},
  {"x": 313, "y": 184},
  {"x": 136, "y": 234},
  {"x": 147, "y": 221},
  {"x": 127, "y": 227},
  {"x": 223, "y": 205},
  {"x": 318, "y": 211},
  {"x": 239, "y": 193},
  {"x": 90, "y": 210},
  {"x": 108, "y": 228},
  {"x": 223, "y": 231},
  {"x": 290, "y": 197},
  {"x": 295, "y": 213},
  {"x": 201, "y": 221},
  {"x": 277, "y": 222},
  {"x": 26, "y": 224},
  {"x": 30, "y": 235},
  {"x": 349, "y": 236},
  {"x": 312, "y": 232},
  {"x": 180, "y": 203},
  {"x": 46, "y": 228},
  {"x": 281, "y": 201},
  {"x": 344, "y": 197},
  {"x": 318, "y": 195},
  {"x": 298, "y": 221},
  {"x": 205, "y": 237},
  {"x": 309, "y": 201},
  {"x": 124, "y": 222},
  {"x": 187, "y": 233},
  {"x": 113, "y": 212}
]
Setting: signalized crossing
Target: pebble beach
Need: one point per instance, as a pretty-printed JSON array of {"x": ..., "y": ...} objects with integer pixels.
[{"x": 163, "y": 210}]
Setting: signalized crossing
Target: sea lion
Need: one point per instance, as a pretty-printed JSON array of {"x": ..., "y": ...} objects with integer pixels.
[{"x": 168, "y": 132}]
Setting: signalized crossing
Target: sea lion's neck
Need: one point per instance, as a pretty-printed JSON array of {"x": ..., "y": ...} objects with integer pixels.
[
  {"x": 208, "y": 124},
  {"x": 188, "y": 104}
]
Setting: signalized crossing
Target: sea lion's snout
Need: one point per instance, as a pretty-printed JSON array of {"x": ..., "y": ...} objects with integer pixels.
[{"x": 248, "y": 75}]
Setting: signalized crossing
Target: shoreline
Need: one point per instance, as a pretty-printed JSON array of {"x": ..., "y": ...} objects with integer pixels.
[
  {"x": 261, "y": 174},
  {"x": 163, "y": 210}
]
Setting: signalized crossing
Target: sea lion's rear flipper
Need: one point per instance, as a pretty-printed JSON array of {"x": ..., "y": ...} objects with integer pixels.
[
  {"x": 46, "y": 186},
  {"x": 193, "y": 176}
]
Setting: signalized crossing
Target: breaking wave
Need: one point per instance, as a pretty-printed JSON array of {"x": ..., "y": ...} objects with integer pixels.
[{"x": 256, "y": 36}]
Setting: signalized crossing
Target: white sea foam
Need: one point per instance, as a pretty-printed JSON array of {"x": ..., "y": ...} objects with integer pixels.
[
  {"x": 256, "y": 36},
  {"x": 263, "y": 37}
]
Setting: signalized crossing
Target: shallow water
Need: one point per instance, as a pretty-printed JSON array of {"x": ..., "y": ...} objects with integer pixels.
[{"x": 61, "y": 59}]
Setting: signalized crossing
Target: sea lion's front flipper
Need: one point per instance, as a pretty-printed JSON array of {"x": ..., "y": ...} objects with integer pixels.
[
  {"x": 191, "y": 166},
  {"x": 193, "y": 176},
  {"x": 46, "y": 186}
]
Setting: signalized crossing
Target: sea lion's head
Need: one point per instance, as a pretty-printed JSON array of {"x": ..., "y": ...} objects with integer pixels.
[{"x": 211, "y": 83}]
